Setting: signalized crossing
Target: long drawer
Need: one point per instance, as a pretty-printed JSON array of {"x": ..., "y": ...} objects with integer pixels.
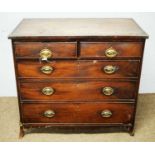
[
  {"x": 77, "y": 90},
  {"x": 79, "y": 69},
  {"x": 77, "y": 113}
]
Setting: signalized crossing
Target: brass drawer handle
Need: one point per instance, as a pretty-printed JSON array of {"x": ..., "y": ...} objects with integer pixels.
[
  {"x": 45, "y": 54},
  {"x": 106, "y": 113},
  {"x": 107, "y": 91},
  {"x": 47, "y": 91},
  {"x": 109, "y": 69},
  {"x": 47, "y": 69},
  {"x": 49, "y": 113},
  {"x": 111, "y": 52}
]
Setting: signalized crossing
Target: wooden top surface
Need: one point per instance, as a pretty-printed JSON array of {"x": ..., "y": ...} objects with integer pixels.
[{"x": 107, "y": 27}]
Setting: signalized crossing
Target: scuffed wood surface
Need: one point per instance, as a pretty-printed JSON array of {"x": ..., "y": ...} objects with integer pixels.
[{"x": 78, "y": 27}]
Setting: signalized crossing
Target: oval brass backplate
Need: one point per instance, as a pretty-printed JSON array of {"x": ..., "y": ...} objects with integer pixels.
[
  {"x": 49, "y": 113},
  {"x": 111, "y": 52},
  {"x": 109, "y": 69},
  {"x": 106, "y": 113},
  {"x": 47, "y": 69},
  {"x": 45, "y": 53},
  {"x": 107, "y": 91},
  {"x": 47, "y": 91}
]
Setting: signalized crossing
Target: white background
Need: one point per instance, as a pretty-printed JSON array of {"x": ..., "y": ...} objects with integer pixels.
[
  {"x": 79, "y": 6},
  {"x": 10, "y": 20}
]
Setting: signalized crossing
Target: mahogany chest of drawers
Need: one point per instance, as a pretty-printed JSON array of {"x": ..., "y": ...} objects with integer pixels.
[{"x": 78, "y": 74}]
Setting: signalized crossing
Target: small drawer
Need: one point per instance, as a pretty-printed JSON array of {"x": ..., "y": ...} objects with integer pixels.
[
  {"x": 77, "y": 113},
  {"x": 50, "y": 49},
  {"x": 77, "y": 90},
  {"x": 78, "y": 69},
  {"x": 111, "y": 49}
]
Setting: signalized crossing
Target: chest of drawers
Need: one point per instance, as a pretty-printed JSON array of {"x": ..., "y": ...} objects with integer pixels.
[{"x": 78, "y": 74}]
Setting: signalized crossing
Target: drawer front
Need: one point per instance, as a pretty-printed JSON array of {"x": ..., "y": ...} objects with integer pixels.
[
  {"x": 75, "y": 69},
  {"x": 77, "y": 113},
  {"x": 54, "y": 69},
  {"x": 119, "y": 49},
  {"x": 80, "y": 90},
  {"x": 109, "y": 69},
  {"x": 57, "y": 49}
]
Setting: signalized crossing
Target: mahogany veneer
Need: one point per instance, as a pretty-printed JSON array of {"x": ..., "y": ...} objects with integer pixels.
[
  {"x": 78, "y": 73},
  {"x": 79, "y": 68},
  {"x": 125, "y": 49},
  {"x": 77, "y": 113},
  {"x": 77, "y": 90}
]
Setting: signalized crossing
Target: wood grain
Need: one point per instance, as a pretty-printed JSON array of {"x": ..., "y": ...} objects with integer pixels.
[
  {"x": 77, "y": 90},
  {"x": 77, "y": 113},
  {"x": 124, "y": 49},
  {"x": 59, "y": 49},
  {"x": 78, "y": 27},
  {"x": 78, "y": 69},
  {"x": 78, "y": 47}
]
